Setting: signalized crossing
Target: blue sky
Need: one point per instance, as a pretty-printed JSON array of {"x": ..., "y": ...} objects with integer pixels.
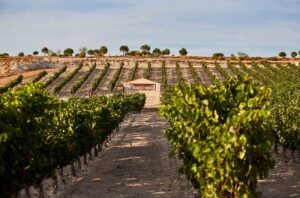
[{"x": 257, "y": 27}]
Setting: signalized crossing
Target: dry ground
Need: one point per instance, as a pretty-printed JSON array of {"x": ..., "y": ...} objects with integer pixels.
[
  {"x": 284, "y": 179},
  {"x": 135, "y": 165},
  {"x": 27, "y": 75}
]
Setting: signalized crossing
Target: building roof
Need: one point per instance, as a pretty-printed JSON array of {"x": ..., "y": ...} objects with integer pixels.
[{"x": 141, "y": 81}]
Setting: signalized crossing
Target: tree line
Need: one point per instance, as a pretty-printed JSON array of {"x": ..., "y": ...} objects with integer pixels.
[{"x": 145, "y": 50}]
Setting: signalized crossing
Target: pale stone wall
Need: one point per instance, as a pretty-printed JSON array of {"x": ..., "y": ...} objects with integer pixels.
[{"x": 152, "y": 97}]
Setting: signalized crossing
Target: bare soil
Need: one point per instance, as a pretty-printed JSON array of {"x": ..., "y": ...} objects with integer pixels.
[
  {"x": 135, "y": 165},
  {"x": 27, "y": 75},
  {"x": 284, "y": 180}
]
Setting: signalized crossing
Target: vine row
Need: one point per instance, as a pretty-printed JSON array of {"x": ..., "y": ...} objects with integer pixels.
[
  {"x": 39, "y": 76},
  {"x": 115, "y": 78},
  {"x": 55, "y": 76},
  {"x": 98, "y": 80},
  {"x": 67, "y": 79},
  {"x": 11, "y": 84},
  {"x": 80, "y": 82}
]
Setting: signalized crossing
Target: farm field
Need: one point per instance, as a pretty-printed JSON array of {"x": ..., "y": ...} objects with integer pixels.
[
  {"x": 136, "y": 163},
  {"x": 207, "y": 74}
]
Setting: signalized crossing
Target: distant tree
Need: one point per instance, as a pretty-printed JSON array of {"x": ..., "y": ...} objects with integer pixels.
[
  {"x": 124, "y": 49},
  {"x": 83, "y": 49},
  {"x": 45, "y": 50},
  {"x": 282, "y": 54},
  {"x": 97, "y": 52},
  {"x": 103, "y": 50},
  {"x": 82, "y": 54},
  {"x": 91, "y": 52},
  {"x": 294, "y": 54},
  {"x": 299, "y": 52},
  {"x": 242, "y": 55},
  {"x": 145, "y": 49},
  {"x": 218, "y": 55},
  {"x": 68, "y": 52},
  {"x": 233, "y": 57},
  {"x": 5, "y": 54},
  {"x": 21, "y": 54},
  {"x": 183, "y": 52},
  {"x": 156, "y": 52},
  {"x": 35, "y": 53},
  {"x": 166, "y": 52},
  {"x": 134, "y": 53}
]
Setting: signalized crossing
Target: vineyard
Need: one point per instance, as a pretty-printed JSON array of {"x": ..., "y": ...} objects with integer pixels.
[
  {"x": 222, "y": 128},
  {"x": 106, "y": 77}
]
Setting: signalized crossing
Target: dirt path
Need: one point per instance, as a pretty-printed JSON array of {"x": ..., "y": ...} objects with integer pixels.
[
  {"x": 284, "y": 180},
  {"x": 137, "y": 165}
]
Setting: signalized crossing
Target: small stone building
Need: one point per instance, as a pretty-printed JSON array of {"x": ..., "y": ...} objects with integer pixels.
[{"x": 150, "y": 88}]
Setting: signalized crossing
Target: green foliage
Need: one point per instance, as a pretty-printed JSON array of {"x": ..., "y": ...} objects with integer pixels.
[
  {"x": 98, "y": 80},
  {"x": 124, "y": 49},
  {"x": 257, "y": 75},
  {"x": 134, "y": 53},
  {"x": 11, "y": 84},
  {"x": 196, "y": 78},
  {"x": 68, "y": 52},
  {"x": 285, "y": 114},
  {"x": 35, "y": 53},
  {"x": 222, "y": 71},
  {"x": 218, "y": 55},
  {"x": 211, "y": 76},
  {"x": 91, "y": 52},
  {"x": 39, "y": 76},
  {"x": 156, "y": 52},
  {"x": 133, "y": 71},
  {"x": 179, "y": 74},
  {"x": 103, "y": 50},
  {"x": 67, "y": 79},
  {"x": 167, "y": 94},
  {"x": 40, "y": 133},
  {"x": 234, "y": 69},
  {"x": 220, "y": 134},
  {"x": 183, "y": 52},
  {"x": 115, "y": 78},
  {"x": 45, "y": 50},
  {"x": 165, "y": 52},
  {"x": 242, "y": 55},
  {"x": 147, "y": 73},
  {"x": 145, "y": 48},
  {"x": 282, "y": 54},
  {"x": 55, "y": 76},
  {"x": 5, "y": 54},
  {"x": 164, "y": 77},
  {"x": 21, "y": 54},
  {"x": 82, "y": 54},
  {"x": 294, "y": 54},
  {"x": 80, "y": 82}
]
